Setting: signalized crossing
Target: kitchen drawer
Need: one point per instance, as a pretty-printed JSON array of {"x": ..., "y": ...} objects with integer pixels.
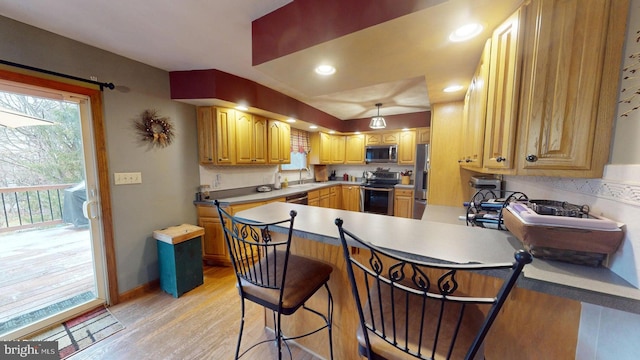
[
  {"x": 404, "y": 192},
  {"x": 207, "y": 211}
]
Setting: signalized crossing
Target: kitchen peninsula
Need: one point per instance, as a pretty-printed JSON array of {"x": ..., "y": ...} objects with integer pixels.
[{"x": 541, "y": 317}]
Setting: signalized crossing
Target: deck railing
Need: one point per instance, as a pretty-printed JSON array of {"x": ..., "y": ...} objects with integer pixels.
[{"x": 31, "y": 206}]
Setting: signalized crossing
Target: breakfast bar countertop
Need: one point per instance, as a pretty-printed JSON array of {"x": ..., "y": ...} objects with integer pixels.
[{"x": 441, "y": 236}]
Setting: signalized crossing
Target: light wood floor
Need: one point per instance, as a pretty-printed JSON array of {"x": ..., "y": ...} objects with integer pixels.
[{"x": 201, "y": 324}]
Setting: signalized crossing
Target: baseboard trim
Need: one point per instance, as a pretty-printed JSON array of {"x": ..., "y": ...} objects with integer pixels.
[{"x": 141, "y": 290}]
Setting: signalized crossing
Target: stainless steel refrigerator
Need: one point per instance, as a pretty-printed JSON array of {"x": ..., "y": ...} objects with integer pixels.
[{"x": 421, "y": 175}]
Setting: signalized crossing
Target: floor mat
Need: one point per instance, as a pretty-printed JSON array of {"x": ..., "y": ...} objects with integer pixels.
[{"x": 83, "y": 331}]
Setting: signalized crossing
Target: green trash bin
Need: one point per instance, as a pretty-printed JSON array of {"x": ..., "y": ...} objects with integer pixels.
[{"x": 180, "y": 258}]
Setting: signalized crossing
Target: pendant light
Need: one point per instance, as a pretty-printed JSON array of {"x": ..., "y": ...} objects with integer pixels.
[{"x": 377, "y": 122}]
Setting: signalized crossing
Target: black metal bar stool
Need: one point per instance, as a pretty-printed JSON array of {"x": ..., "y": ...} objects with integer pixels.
[
  {"x": 410, "y": 309},
  {"x": 268, "y": 275}
]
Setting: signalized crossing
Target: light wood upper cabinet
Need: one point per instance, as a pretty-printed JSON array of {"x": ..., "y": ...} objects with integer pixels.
[
  {"x": 382, "y": 138},
  {"x": 337, "y": 149},
  {"x": 503, "y": 87},
  {"x": 206, "y": 124},
  {"x": 320, "y": 148},
  {"x": 572, "y": 56},
  {"x": 407, "y": 147},
  {"x": 216, "y": 135},
  {"x": 473, "y": 124},
  {"x": 251, "y": 139},
  {"x": 354, "y": 149},
  {"x": 279, "y": 142},
  {"x": 423, "y": 135}
]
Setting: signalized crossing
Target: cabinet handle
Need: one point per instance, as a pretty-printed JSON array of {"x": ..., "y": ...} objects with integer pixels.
[
  {"x": 459, "y": 161},
  {"x": 500, "y": 159},
  {"x": 468, "y": 160},
  {"x": 531, "y": 158}
]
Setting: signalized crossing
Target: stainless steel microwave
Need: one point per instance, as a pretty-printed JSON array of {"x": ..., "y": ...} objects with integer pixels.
[{"x": 381, "y": 154}]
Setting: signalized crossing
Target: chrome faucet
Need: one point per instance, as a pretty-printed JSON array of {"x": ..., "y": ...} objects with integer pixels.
[{"x": 300, "y": 173}]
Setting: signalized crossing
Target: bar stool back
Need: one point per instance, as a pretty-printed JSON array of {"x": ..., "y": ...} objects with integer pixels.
[
  {"x": 412, "y": 309},
  {"x": 269, "y": 275}
]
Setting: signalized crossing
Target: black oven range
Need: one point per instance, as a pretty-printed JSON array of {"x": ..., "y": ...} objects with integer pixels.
[{"x": 376, "y": 195}]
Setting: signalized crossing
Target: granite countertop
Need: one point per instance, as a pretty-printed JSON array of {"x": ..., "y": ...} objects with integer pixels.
[{"x": 441, "y": 236}]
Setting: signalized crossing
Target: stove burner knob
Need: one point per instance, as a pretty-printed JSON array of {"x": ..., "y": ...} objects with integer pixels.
[{"x": 531, "y": 158}]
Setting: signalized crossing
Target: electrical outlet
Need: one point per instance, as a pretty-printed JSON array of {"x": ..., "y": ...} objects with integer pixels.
[{"x": 127, "y": 178}]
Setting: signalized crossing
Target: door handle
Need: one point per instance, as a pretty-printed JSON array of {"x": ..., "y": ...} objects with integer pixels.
[{"x": 88, "y": 209}]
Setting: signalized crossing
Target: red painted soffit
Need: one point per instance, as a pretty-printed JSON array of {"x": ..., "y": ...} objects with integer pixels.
[
  {"x": 305, "y": 23},
  {"x": 216, "y": 84}
]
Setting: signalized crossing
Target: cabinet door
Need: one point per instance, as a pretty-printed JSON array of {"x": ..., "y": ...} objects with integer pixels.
[
  {"x": 205, "y": 135},
  {"x": 325, "y": 198},
  {"x": 333, "y": 197},
  {"x": 279, "y": 143},
  {"x": 259, "y": 139},
  {"x": 572, "y": 55},
  {"x": 407, "y": 148},
  {"x": 373, "y": 139},
  {"x": 424, "y": 135},
  {"x": 391, "y": 138},
  {"x": 504, "y": 71},
  {"x": 354, "y": 149},
  {"x": 214, "y": 248},
  {"x": 225, "y": 136},
  {"x": 337, "y": 149},
  {"x": 244, "y": 138},
  {"x": 350, "y": 197},
  {"x": 403, "y": 203},
  {"x": 251, "y": 139},
  {"x": 473, "y": 127}
]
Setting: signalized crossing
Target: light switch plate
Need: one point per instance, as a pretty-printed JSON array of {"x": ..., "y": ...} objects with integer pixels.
[{"x": 127, "y": 178}]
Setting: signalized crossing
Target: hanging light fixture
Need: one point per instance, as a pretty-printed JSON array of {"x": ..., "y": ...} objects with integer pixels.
[{"x": 377, "y": 122}]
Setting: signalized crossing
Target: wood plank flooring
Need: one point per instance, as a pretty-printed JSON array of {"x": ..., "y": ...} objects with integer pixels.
[
  {"x": 42, "y": 267},
  {"x": 201, "y": 324}
]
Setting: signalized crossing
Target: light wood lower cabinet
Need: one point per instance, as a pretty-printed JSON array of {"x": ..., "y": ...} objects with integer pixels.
[
  {"x": 403, "y": 203},
  {"x": 214, "y": 249},
  {"x": 350, "y": 197}
]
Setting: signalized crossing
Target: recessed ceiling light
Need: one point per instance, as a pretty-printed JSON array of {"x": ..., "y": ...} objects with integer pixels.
[
  {"x": 291, "y": 120},
  {"x": 325, "y": 70},
  {"x": 242, "y": 108},
  {"x": 453, "y": 88},
  {"x": 465, "y": 32},
  {"x": 312, "y": 127},
  {"x": 332, "y": 132}
]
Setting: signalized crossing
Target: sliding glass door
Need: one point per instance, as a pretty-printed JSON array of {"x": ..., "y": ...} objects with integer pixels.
[{"x": 51, "y": 243}]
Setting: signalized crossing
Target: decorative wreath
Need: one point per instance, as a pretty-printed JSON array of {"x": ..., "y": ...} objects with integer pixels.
[{"x": 154, "y": 129}]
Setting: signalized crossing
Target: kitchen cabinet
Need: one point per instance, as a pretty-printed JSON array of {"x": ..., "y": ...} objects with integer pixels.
[
  {"x": 326, "y": 148},
  {"x": 572, "y": 56},
  {"x": 407, "y": 147},
  {"x": 324, "y": 200},
  {"x": 216, "y": 136},
  {"x": 214, "y": 248},
  {"x": 313, "y": 198},
  {"x": 354, "y": 149},
  {"x": 403, "y": 203},
  {"x": 334, "y": 197},
  {"x": 502, "y": 97},
  {"x": 337, "y": 149},
  {"x": 475, "y": 106},
  {"x": 225, "y": 131},
  {"x": 206, "y": 124},
  {"x": 382, "y": 138},
  {"x": 423, "y": 135},
  {"x": 250, "y": 139},
  {"x": 350, "y": 197},
  {"x": 279, "y": 142}
]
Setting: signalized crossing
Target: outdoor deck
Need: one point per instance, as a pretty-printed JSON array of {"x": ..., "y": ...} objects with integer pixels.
[{"x": 43, "y": 270}]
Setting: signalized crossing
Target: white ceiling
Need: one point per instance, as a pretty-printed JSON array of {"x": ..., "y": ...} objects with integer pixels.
[{"x": 403, "y": 63}]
